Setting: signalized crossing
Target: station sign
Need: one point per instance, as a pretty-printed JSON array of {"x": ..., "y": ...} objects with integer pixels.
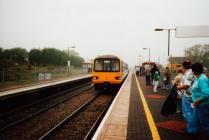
[
  {"x": 68, "y": 63},
  {"x": 192, "y": 31}
]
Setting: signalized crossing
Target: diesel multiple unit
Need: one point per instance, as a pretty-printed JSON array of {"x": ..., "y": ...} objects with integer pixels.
[{"x": 108, "y": 70}]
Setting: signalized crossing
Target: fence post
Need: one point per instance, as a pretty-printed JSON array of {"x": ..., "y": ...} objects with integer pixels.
[
  {"x": 53, "y": 77},
  {"x": 35, "y": 73},
  {"x": 45, "y": 71},
  {"x": 20, "y": 74},
  {"x": 3, "y": 75}
]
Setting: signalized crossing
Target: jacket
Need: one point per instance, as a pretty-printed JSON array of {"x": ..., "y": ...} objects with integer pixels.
[{"x": 169, "y": 106}]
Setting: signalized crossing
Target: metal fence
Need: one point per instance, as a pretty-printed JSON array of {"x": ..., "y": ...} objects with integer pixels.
[{"x": 36, "y": 74}]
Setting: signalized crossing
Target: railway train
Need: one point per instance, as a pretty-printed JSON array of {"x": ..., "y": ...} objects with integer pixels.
[{"x": 108, "y": 71}]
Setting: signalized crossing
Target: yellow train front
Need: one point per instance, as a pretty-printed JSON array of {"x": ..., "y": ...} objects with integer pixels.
[{"x": 108, "y": 71}]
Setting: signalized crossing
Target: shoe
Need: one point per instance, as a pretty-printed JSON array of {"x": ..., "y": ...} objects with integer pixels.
[{"x": 155, "y": 91}]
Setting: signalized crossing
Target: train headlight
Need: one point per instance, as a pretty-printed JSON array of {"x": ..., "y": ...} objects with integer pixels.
[
  {"x": 118, "y": 78},
  {"x": 95, "y": 77}
]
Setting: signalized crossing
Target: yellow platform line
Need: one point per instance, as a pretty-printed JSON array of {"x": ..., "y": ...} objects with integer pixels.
[{"x": 150, "y": 120}]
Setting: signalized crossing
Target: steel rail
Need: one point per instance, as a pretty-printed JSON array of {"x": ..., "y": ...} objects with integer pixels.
[
  {"x": 43, "y": 100},
  {"x": 50, "y": 132},
  {"x": 42, "y": 110},
  {"x": 97, "y": 122}
]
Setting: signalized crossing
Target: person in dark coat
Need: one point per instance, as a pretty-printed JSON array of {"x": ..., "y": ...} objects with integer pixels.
[{"x": 169, "y": 106}]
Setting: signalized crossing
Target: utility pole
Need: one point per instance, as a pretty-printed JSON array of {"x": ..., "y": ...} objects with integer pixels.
[
  {"x": 68, "y": 70},
  {"x": 68, "y": 62},
  {"x": 148, "y": 52},
  {"x": 169, "y": 30}
]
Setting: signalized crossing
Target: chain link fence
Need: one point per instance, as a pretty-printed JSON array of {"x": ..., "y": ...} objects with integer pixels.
[{"x": 36, "y": 74}]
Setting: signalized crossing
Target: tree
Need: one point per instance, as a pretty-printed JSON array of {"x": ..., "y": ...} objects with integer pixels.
[
  {"x": 53, "y": 57},
  {"x": 73, "y": 53},
  {"x": 34, "y": 57},
  {"x": 5, "y": 58},
  {"x": 18, "y": 55},
  {"x": 199, "y": 53},
  {"x": 6, "y": 54},
  {"x": 76, "y": 61},
  {"x": 63, "y": 58},
  {"x": 1, "y": 53}
]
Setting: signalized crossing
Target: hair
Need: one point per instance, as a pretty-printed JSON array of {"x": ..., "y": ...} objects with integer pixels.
[
  {"x": 197, "y": 68},
  {"x": 187, "y": 64},
  {"x": 155, "y": 67},
  {"x": 179, "y": 71}
]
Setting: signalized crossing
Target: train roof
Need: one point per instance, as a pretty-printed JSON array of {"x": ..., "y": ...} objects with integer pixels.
[
  {"x": 107, "y": 56},
  {"x": 110, "y": 56}
]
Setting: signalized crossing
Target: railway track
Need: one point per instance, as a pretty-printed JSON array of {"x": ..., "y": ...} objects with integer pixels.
[
  {"x": 82, "y": 123},
  {"x": 40, "y": 123},
  {"x": 19, "y": 99},
  {"x": 26, "y": 112}
]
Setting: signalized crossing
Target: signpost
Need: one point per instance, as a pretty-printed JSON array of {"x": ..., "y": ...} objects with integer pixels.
[
  {"x": 187, "y": 32},
  {"x": 68, "y": 68}
]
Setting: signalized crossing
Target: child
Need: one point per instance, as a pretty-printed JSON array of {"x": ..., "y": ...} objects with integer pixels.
[
  {"x": 177, "y": 81},
  {"x": 156, "y": 79},
  {"x": 166, "y": 78}
]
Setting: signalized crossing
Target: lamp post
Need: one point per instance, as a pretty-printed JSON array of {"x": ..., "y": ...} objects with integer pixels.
[
  {"x": 149, "y": 52},
  {"x": 169, "y": 30},
  {"x": 140, "y": 60}
]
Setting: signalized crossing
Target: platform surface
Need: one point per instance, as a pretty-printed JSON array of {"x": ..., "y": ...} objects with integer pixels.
[
  {"x": 135, "y": 115},
  {"x": 115, "y": 122},
  {"x": 32, "y": 87}
]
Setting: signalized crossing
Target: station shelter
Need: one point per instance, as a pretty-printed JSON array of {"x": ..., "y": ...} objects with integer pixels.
[{"x": 87, "y": 67}]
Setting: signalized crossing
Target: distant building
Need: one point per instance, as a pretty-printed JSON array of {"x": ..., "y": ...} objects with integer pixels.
[
  {"x": 177, "y": 60},
  {"x": 87, "y": 67},
  {"x": 175, "y": 63}
]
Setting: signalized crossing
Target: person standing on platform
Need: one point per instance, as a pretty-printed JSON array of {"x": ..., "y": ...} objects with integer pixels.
[
  {"x": 177, "y": 82},
  {"x": 185, "y": 88},
  {"x": 140, "y": 71},
  {"x": 200, "y": 98},
  {"x": 137, "y": 70},
  {"x": 166, "y": 79},
  {"x": 152, "y": 73},
  {"x": 156, "y": 78},
  {"x": 148, "y": 75}
]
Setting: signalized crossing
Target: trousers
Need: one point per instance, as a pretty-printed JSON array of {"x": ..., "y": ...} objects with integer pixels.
[
  {"x": 202, "y": 112},
  {"x": 190, "y": 115},
  {"x": 155, "y": 85}
]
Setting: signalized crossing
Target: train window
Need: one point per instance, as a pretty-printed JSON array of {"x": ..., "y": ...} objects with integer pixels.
[
  {"x": 107, "y": 66},
  {"x": 115, "y": 65},
  {"x": 99, "y": 65}
]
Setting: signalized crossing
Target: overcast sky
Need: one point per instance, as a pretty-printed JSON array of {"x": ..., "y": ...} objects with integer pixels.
[{"x": 96, "y": 27}]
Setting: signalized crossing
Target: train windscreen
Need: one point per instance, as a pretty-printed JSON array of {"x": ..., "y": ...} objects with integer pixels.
[{"x": 107, "y": 65}]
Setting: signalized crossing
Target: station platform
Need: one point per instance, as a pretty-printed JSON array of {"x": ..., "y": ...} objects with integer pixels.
[
  {"x": 41, "y": 85},
  {"x": 135, "y": 115}
]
